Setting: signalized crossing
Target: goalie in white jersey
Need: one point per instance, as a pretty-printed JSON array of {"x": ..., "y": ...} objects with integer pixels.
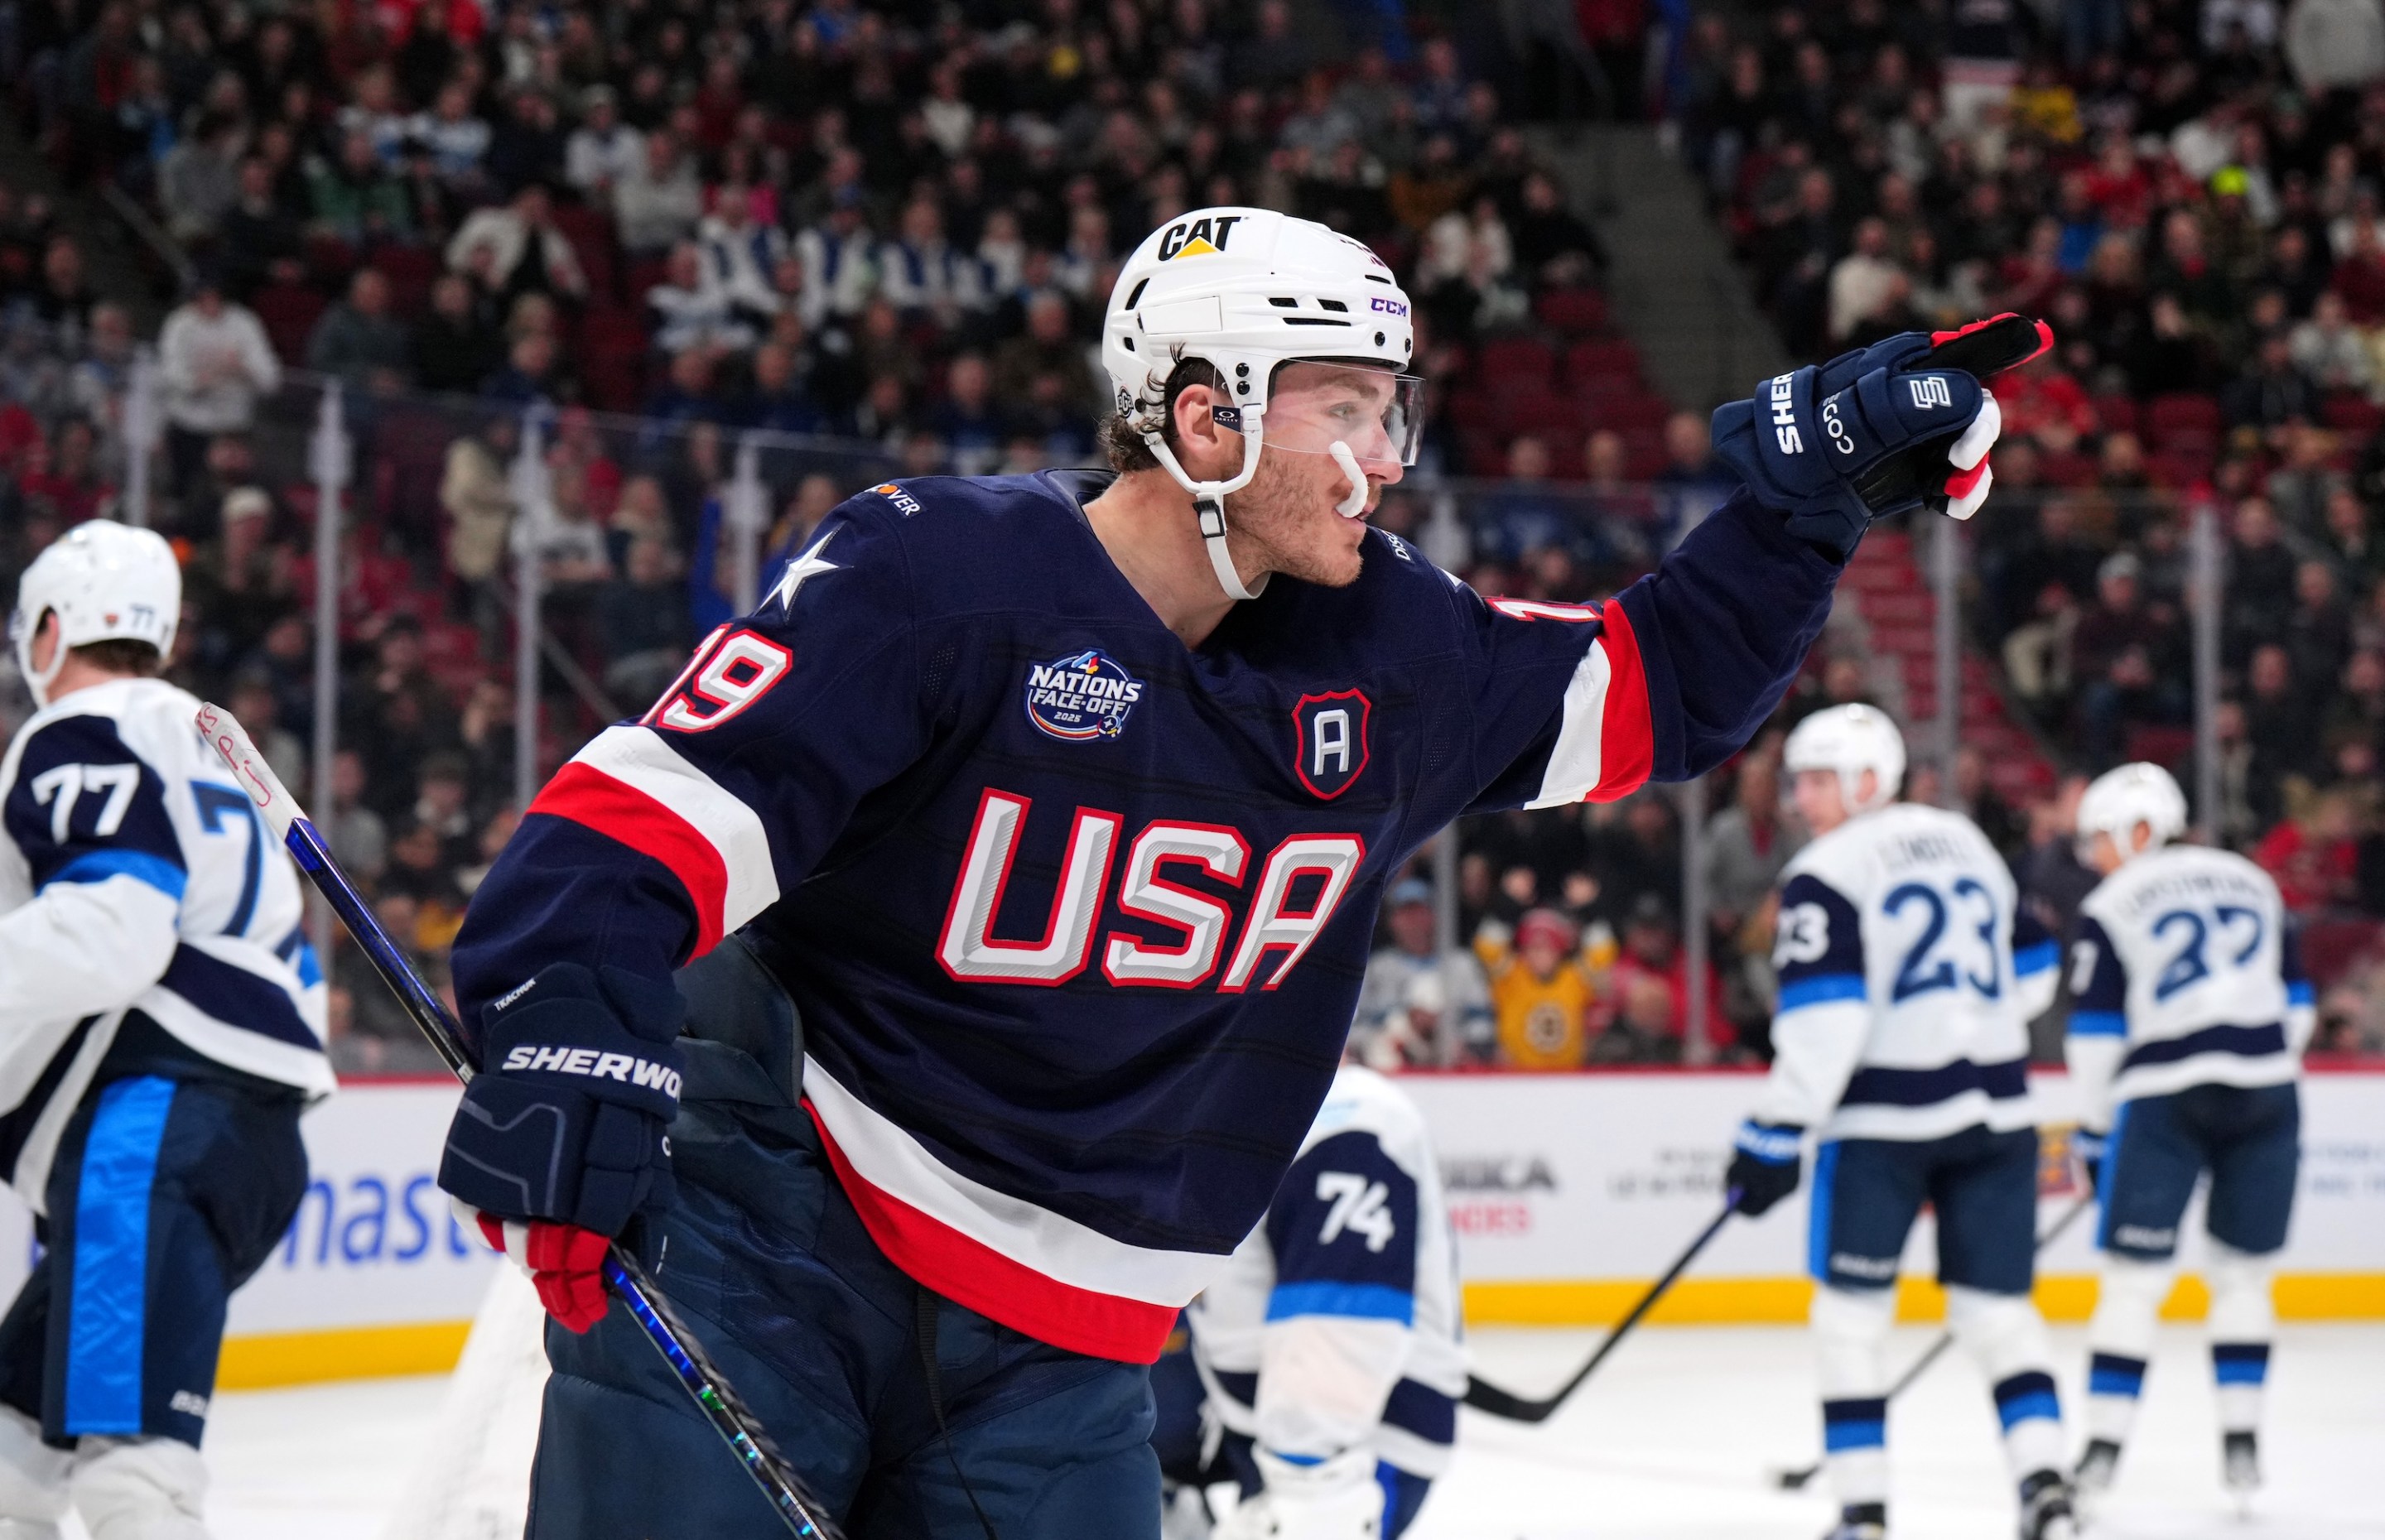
[
  {"x": 1330, "y": 1352},
  {"x": 2190, "y": 1014},
  {"x": 161, "y": 1028},
  {"x": 1908, "y": 976}
]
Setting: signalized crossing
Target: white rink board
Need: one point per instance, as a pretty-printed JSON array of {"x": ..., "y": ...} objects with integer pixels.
[{"x": 1608, "y": 1175}]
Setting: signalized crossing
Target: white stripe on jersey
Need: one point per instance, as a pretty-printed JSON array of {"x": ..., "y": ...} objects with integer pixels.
[
  {"x": 889, "y": 1159},
  {"x": 640, "y": 758},
  {"x": 1576, "y": 763}
]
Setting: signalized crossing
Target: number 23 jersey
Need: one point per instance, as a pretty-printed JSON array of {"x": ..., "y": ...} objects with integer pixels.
[{"x": 1907, "y": 977}]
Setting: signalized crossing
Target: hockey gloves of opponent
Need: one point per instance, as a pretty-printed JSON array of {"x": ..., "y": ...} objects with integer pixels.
[
  {"x": 560, "y": 1144},
  {"x": 1766, "y": 1161},
  {"x": 1900, "y": 425},
  {"x": 1325, "y": 1499}
]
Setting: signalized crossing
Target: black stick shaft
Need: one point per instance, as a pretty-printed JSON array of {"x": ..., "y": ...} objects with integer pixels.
[
  {"x": 706, "y": 1386},
  {"x": 1484, "y": 1396}
]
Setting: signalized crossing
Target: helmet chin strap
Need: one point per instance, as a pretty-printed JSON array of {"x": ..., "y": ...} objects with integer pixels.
[
  {"x": 1209, "y": 502},
  {"x": 39, "y": 680}
]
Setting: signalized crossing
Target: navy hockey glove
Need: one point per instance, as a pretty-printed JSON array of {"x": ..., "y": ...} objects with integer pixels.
[
  {"x": 563, "y": 1133},
  {"x": 2092, "y": 1150},
  {"x": 1900, "y": 425},
  {"x": 1765, "y": 1164}
]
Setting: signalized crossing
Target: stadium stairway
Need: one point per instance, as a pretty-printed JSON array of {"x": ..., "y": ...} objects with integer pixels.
[{"x": 1899, "y": 613}]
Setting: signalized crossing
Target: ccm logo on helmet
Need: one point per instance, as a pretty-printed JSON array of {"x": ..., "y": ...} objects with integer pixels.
[
  {"x": 1389, "y": 307},
  {"x": 1784, "y": 417},
  {"x": 1204, "y": 237},
  {"x": 627, "y": 1068}
]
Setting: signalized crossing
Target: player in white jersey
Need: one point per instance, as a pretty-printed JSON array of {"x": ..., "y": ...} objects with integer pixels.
[
  {"x": 1331, "y": 1350},
  {"x": 1908, "y": 974},
  {"x": 161, "y": 1028},
  {"x": 2190, "y": 1014}
]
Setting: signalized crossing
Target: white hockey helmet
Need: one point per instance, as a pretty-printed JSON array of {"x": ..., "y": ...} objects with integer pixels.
[
  {"x": 106, "y": 582},
  {"x": 1246, "y": 291},
  {"x": 2117, "y": 800},
  {"x": 1850, "y": 741}
]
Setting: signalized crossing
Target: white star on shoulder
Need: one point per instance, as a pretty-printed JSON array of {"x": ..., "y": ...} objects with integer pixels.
[{"x": 806, "y": 566}]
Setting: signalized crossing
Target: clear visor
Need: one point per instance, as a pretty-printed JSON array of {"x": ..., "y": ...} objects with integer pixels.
[{"x": 1376, "y": 413}]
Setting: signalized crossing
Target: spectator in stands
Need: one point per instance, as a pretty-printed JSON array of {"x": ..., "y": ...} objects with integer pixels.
[
  {"x": 477, "y": 493},
  {"x": 359, "y": 340},
  {"x": 2282, "y": 728},
  {"x": 1748, "y": 842},
  {"x": 527, "y": 144},
  {"x": 1553, "y": 245},
  {"x": 2272, "y": 391},
  {"x": 2319, "y": 630},
  {"x": 840, "y": 260},
  {"x": 925, "y": 278},
  {"x": 1527, "y": 514},
  {"x": 198, "y": 181},
  {"x": 356, "y": 197},
  {"x": 2314, "y": 856},
  {"x": 258, "y": 239},
  {"x": 454, "y": 346},
  {"x": 2335, "y": 44},
  {"x": 689, "y": 310},
  {"x": 1542, "y": 994},
  {"x": 455, "y": 138},
  {"x": 1394, "y": 1028},
  {"x": 514, "y": 248},
  {"x": 603, "y": 152},
  {"x": 2328, "y": 349},
  {"x": 740, "y": 252},
  {"x": 1864, "y": 282},
  {"x": 213, "y": 363},
  {"x": 1653, "y": 965},
  {"x": 643, "y": 624},
  {"x": 659, "y": 201},
  {"x": 2260, "y": 578},
  {"x": 356, "y": 833},
  {"x": 2126, "y": 657},
  {"x": 529, "y": 374}
]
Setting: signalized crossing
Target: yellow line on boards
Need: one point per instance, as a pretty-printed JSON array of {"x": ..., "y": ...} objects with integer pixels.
[
  {"x": 1772, "y": 1301},
  {"x": 349, "y": 1353}
]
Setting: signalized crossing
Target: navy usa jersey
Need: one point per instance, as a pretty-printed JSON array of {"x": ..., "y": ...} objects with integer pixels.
[{"x": 1076, "y": 915}]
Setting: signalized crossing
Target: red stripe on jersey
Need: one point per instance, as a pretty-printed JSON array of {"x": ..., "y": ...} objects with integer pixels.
[
  {"x": 1002, "y": 1288},
  {"x": 1627, "y": 738},
  {"x": 619, "y": 811}
]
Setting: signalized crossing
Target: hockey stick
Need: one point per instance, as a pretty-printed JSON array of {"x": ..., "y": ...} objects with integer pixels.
[
  {"x": 1484, "y": 1396},
  {"x": 1795, "y": 1480},
  {"x": 713, "y": 1395}
]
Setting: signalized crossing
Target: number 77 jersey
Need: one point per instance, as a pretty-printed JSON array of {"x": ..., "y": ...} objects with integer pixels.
[
  {"x": 1908, "y": 976},
  {"x": 136, "y": 878}
]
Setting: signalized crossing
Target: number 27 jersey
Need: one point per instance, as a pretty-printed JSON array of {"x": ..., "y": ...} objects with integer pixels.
[{"x": 1908, "y": 974}]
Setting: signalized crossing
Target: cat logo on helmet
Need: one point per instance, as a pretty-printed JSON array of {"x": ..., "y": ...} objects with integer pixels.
[{"x": 1204, "y": 237}]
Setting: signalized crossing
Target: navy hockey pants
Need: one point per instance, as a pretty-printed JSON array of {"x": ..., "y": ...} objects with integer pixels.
[
  {"x": 165, "y": 1196},
  {"x": 769, "y": 1265},
  {"x": 2248, "y": 1137},
  {"x": 1981, "y": 1185}
]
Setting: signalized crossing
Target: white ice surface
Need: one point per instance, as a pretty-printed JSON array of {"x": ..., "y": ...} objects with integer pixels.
[{"x": 1676, "y": 1439}]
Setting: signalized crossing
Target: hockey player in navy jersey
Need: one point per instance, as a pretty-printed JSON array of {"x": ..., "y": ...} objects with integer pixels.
[
  {"x": 2188, "y": 1015},
  {"x": 1908, "y": 976},
  {"x": 1060, "y": 807},
  {"x": 1330, "y": 1351},
  {"x": 161, "y": 1028}
]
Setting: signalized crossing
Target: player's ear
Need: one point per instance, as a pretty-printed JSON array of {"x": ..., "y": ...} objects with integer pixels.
[{"x": 1207, "y": 450}]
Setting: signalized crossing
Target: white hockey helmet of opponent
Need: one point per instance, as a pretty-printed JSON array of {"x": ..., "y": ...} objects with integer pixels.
[
  {"x": 1246, "y": 291},
  {"x": 1850, "y": 741},
  {"x": 2117, "y": 800},
  {"x": 106, "y": 582}
]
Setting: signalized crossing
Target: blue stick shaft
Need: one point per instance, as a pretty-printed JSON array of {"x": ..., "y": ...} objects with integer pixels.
[{"x": 711, "y": 1391}]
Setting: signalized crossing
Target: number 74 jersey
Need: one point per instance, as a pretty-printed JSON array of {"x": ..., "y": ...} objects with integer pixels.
[
  {"x": 135, "y": 875},
  {"x": 1907, "y": 975},
  {"x": 2184, "y": 973}
]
